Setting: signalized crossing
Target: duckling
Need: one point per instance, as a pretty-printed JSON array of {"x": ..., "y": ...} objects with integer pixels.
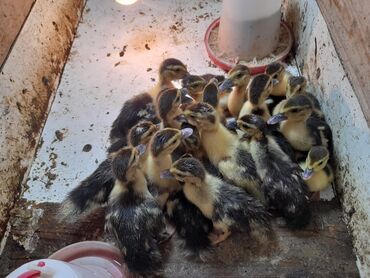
[
  {"x": 168, "y": 107},
  {"x": 134, "y": 218},
  {"x": 170, "y": 69},
  {"x": 318, "y": 174},
  {"x": 278, "y": 72},
  {"x": 300, "y": 128},
  {"x": 228, "y": 206},
  {"x": 238, "y": 78},
  {"x": 297, "y": 85},
  {"x": 142, "y": 106},
  {"x": 223, "y": 148},
  {"x": 258, "y": 90},
  {"x": 211, "y": 95},
  {"x": 161, "y": 146},
  {"x": 282, "y": 184},
  {"x": 195, "y": 85},
  {"x": 95, "y": 189}
]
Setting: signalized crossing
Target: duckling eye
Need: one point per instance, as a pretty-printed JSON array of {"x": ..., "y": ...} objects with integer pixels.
[
  {"x": 275, "y": 75},
  {"x": 294, "y": 110}
]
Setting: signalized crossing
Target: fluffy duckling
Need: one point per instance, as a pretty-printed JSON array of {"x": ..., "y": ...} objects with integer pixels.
[
  {"x": 238, "y": 79},
  {"x": 212, "y": 95},
  {"x": 258, "y": 91},
  {"x": 278, "y": 72},
  {"x": 317, "y": 174},
  {"x": 229, "y": 207},
  {"x": 161, "y": 146},
  {"x": 170, "y": 69},
  {"x": 95, "y": 189},
  {"x": 141, "y": 107},
  {"x": 297, "y": 85},
  {"x": 134, "y": 218},
  {"x": 223, "y": 148},
  {"x": 195, "y": 85},
  {"x": 282, "y": 184},
  {"x": 168, "y": 107},
  {"x": 300, "y": 128}
]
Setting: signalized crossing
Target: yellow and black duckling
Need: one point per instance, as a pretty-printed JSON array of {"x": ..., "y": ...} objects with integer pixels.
[
  {"x": 168, "y": 107},
  {"x": 95, "y": 189},
  {"x": 161, "y": 146},
  {"x": 238, "y": 79},
  {"x": 258, "y": 91},
  {"x": 300, "y": 128},
  {"x": 133, "y": 217},
  {"x": 298, "y": 85},
  {"x": 195, "y": 84},
  {"x": 318, "y": 173},
  {"x": 282, "y": 184},
  {"x": 277, "y": 72},
  {"x": 230, "y": 208},
  {"x": 142, "y": 106},
  {"x": 223, "y": 148}
]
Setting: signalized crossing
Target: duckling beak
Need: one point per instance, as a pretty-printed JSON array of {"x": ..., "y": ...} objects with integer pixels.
[
  {"x": 185, "y": 97},
  {"x": 276, "y": 119},
  {"x": 307, "y": 174},
  {"x": 275, "y": 82},
  {"x": 186, "y": 132},
  {"x": 167, "y": 175},
  {"x": 231, "y": 123},
  {"x": 226, "y": 85},
  {"x": 141, "y": 149}
]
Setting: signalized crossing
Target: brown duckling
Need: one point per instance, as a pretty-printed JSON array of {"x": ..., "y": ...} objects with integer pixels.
[
  {"x": 258, "y": 91},
  {"x": 95, "y": 189},
  {"x": 228, "y": 206},
  {"x": 195, "y": 85},
  {"x": 282, "y": 184},
  {"x": 161, "y": 146},
  {"x": 142, "y": 106},
  {"x": 134, "y": 218},
  {"x": 300, "y": 128},
  {"x": 238, "y": 79},
  {"x": 318, "y": 173},
  {"x": 223, "y": 148}
]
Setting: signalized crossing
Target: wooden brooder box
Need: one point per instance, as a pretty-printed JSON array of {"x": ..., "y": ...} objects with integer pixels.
[{"x": 72, "y": 66}]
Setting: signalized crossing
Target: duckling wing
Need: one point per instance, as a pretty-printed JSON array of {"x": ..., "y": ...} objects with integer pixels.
[{"x": 190, "y": 223}]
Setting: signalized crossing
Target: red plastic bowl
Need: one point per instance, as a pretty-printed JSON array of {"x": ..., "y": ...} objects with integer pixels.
[{"x": 226, "y": 66}]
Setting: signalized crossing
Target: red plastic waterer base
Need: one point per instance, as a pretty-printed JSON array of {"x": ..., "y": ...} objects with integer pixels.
[{"x": 226, "y": 65}]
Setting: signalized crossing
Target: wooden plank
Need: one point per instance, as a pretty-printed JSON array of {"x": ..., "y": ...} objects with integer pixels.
[
  {"x": 13, "y": 13},
  {"x": 348, "y": 23},
  {"x": 321, "y": 250}
]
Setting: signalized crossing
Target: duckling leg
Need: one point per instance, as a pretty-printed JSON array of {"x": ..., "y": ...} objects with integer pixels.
[{"x": 219, "y": 234}]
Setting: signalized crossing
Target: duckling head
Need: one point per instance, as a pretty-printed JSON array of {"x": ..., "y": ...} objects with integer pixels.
[
  {"x": 316, "y": 160},
  {"x": 193, "y": 141},
  {"x": 210, "y": 93},
  {"x": 259, "y": 88},
  {"x": 296, "y": 85},
  {"x": 238, "y": 76},
  {"x": 253, "y": 126},
  {"x": 165, "y": 141},
  {"x": 172, "y": 69},
  {"x": 202, "y": 115},
  {"x": 275, "y": 70},
  {"x": 141, "y": 133},
  {"x": 297, "y": 108},
  {"x": 186, "y": 170},
  {"x": 194, "y": 84},
  {"x": 169, "y": 102},
  {"x": 125, "y": 163}
]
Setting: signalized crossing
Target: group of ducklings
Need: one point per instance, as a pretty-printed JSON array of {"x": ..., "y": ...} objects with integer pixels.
[{"x": 215, "y": 156}]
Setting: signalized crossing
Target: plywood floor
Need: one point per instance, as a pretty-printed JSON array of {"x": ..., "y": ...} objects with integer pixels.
[{"x": 114, "y": 56}]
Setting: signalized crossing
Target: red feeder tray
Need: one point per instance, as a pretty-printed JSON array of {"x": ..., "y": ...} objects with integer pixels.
[{"x": 226, "y": 64}]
